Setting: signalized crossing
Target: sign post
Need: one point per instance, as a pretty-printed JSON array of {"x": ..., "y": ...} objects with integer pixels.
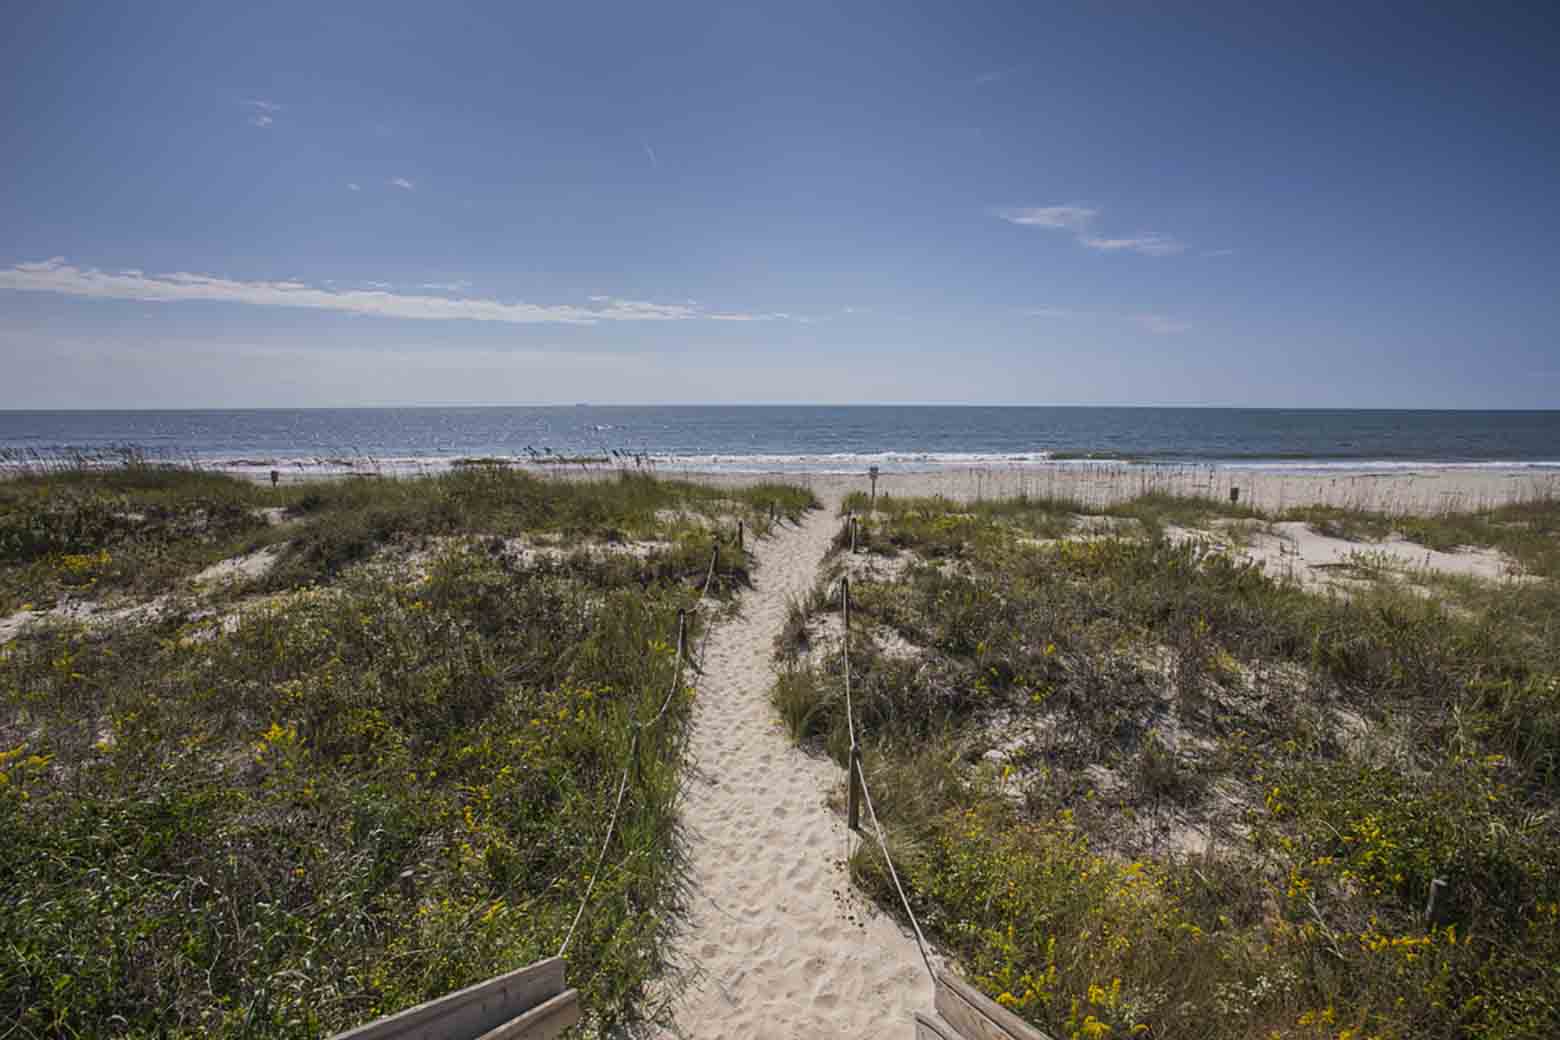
[{"x": 873, "y": 473}]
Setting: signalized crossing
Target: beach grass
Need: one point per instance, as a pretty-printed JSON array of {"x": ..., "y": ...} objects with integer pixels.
[
  {"x": 361, "y": 780},
  {"x": 1137, "y": 787},
  {"x": 142, "y": 529}
]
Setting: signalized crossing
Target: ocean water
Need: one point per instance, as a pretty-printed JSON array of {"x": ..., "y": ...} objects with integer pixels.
[{"x": 799, "y": 438}]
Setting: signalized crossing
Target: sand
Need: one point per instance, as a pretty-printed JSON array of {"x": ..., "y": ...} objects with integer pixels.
[
  {"x": 1293, "y": 549},
  {"x": 776, "y": 944}
]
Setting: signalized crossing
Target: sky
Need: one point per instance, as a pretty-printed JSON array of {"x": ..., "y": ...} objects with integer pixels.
[{"x": 295, "y": 205}]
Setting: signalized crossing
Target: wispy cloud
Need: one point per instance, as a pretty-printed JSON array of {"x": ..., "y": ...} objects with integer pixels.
[
  {"x": 1162, "y": 325},
  {"x": 1220, "y": 252},
  {"x": 1148, "y": 244},
  {"x": 449, "y": 287},
  {"x": 996, "y": 74},
  {"x": 1079, "y": 220},
  {"x": 650, "y": 152},
  {"x": 403, "y": 183},
  {"x": 262, "y": 113},
  {"x": 58, "y": 276},
  {"x": 1067, "y": 218},
  {"x": 773, "y": 316},
  {"x": 354, "y": 186},
  {"x": 1158, "y": 324}
]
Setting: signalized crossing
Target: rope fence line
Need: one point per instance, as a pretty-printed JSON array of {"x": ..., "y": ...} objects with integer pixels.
[
  {"x": 856, "y": 782},
  {"x": 591, "y": 887},
  {"x": 920, "y": 940},
  {"x": 638, "y": 727}
]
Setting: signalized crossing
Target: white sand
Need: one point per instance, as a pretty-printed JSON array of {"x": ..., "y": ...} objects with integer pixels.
[
  {"x": 1295, "y": 549},
  {"x": 237, "y": 569},
  {"x": 770, "y": 939}
]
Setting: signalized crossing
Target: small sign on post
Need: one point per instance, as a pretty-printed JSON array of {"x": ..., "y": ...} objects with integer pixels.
[
  {"x": 873, "y": 473},
  {"x": 1234, "y": 495}
]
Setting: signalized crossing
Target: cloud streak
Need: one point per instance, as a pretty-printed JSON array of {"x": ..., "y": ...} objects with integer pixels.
[
  {"x": 1068, "y": 218},
  {"x": 996, "y": 74},
  {"x": 262, "y": 112},
  {"x": 1079, "y": 219},
  {"x": 1158, "y": 324},
  {"x": 1162, "y": 325},
  {"x": 1148, "y": 244},
  {"x": 62, "y": 278},
  {"x": 403, "y": 183}
]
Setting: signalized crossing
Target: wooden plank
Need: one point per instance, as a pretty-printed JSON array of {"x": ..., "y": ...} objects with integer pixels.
[
  {"x": 976, "y": 1016},
  {"x": 542, "y": 1022},
  {"x": 930, "y": 1027},
  {"x": 472, "y": 1011}
]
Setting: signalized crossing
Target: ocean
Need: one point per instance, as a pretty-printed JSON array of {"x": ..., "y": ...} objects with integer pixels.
[{"x": 801, "y": 439}]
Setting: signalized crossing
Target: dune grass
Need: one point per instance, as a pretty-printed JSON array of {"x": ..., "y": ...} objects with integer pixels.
[
  {"x": 345, "y": 789},
  {"x": 1145, "y": 789},
  {"x": 141, "y": 529}
]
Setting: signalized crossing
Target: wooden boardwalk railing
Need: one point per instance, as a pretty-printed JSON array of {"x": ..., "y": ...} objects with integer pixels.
[
  {"x": 965, "y": 1013},
  {"x": 527, "y": 1004}
]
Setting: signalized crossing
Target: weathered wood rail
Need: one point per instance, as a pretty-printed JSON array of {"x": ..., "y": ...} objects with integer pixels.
[
  {"x": 530, "y": 1003},
  {"x": 965, "y": 1013}
]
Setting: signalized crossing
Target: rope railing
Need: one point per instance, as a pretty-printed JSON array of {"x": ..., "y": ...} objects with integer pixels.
[
  {"x": 920, "y": 939},
  {"x": 856, "y": 785},
  {"x": 638, "y": 727}
]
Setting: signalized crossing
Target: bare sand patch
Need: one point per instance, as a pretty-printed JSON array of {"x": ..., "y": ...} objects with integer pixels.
[
  {"x": 1293, "y": 549},
  {"x": 243, "y": 568}
]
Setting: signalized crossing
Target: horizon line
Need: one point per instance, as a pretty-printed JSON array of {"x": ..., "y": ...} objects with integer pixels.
[{"x": 775, "y": 404}]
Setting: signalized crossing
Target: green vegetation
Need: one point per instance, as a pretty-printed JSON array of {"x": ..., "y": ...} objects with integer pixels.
[
  {"x": 357, "y": 782},
  {"x": 142, "y": 529},
  {"x": 1138, "y": 788},
  {"x": 935, "y": 526}
]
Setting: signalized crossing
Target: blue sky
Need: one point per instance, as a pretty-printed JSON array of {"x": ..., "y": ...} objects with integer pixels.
[{"x": 293, "y": 205}]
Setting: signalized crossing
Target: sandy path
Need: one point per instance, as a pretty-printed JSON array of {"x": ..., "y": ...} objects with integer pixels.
[{"x": 771, "y": 940}]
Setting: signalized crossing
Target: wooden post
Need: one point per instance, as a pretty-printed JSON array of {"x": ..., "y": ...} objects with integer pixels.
[
  {"x": 741, "y": 525},
  {"x": 682, "y": 628},
  {"x": 873, "y": 473},
  {"x": 853, "y": 791},
  {"x": 1435, "y": 906},
  {"x": 853, "y": 532},
  {"x": 771, "y": 513},
  {"x": 1234, "y": 495}
]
